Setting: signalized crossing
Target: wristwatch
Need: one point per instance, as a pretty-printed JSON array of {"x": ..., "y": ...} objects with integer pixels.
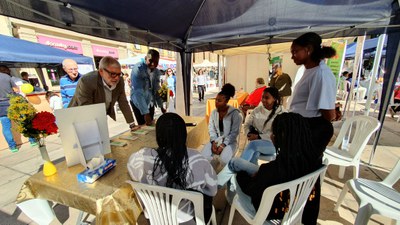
[{"x": 132, "y": 125}]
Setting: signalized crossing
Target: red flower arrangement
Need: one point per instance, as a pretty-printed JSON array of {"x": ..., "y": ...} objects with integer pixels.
[{"x": 44, "y": 122}]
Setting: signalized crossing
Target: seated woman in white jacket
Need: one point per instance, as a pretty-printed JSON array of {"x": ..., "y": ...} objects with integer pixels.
[
  {"x": 223, "y": 127},
  {"x": 258, "y": 126}
]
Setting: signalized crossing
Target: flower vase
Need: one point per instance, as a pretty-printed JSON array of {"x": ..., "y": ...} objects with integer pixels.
[{"x": 48, "y": 167}]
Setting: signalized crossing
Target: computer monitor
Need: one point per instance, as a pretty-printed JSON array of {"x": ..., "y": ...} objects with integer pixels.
[{"x": 83, "y": 132}]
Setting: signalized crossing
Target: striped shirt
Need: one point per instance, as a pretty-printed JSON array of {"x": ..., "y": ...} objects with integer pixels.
[{"x": 67, "y": 88}]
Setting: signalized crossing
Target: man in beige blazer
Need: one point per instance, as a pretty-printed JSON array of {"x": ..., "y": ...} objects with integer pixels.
[{"x": 104, "y": 86}]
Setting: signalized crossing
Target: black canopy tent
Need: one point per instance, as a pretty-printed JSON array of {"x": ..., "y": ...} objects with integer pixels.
[
  {"x": 200, "y": 25},
  {"x": 188, "y": 26}
]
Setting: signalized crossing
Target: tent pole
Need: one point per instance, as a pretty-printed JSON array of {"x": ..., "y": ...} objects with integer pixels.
[
  {"x": 374, "y": 72},
  {"x": 392, "y": 70},
  {"x": 387, "y": 95},
  {"x": 357, "y": 62},
  {"x": 186, "y": 62},
  {"x": 40, "y": 74}
]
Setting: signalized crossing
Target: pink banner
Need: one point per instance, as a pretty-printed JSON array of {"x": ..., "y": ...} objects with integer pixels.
[
  {"x": 104, "y": 51},
  {"x": 70, "y": 46}
]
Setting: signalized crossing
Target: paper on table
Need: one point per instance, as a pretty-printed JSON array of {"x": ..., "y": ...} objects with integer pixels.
[
  {"x": 128, "y": 137},
  {"x": 118, "y": 143},
  {"x": 149, "y": 128},
  {"x": 142, "y": 132}
]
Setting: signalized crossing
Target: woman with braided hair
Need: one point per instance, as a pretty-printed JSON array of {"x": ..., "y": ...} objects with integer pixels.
[
  {"x": 314, "y": 98},
  {"x": 257, "y": 125},
  {"x": 291, "y": 136},
  {"x": 173, "y": 165}
]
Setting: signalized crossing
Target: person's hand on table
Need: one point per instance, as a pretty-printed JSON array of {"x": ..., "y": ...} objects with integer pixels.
[{"x": 148, "y": 120}]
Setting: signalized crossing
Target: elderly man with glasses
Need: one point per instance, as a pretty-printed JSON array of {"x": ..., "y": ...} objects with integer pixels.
[
  {"x": 104, "y": 86},
  {"x": 69, "y": 81}
]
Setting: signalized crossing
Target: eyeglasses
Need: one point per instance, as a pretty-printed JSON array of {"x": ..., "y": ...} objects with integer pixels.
[
  {"x": 113, "y": 75},
  {"x": 72, "y": 69}
]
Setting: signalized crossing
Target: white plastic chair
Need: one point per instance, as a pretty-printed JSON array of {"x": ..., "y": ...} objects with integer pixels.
[
  {"x": 374, "y": 197},
  {"x": 299, "y": 189},
  {"x": 337, "y": 154},
  {"x": 161, "y": 203}
]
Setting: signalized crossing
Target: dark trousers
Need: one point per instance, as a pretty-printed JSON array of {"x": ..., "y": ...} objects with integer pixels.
[
  {"x": 139, "y": 117},
  {"x": 321, "y": 134},
  {"x": 396, "y": 108},
  {"x": 201, "y": 89}
]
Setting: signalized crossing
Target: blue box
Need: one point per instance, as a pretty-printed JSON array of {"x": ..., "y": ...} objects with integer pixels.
[{"x": 90, "y": 176}]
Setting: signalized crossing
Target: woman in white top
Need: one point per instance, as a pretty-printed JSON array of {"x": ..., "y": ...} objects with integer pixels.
[
  {"x": 257, "y": 126},
  {"x": 314, "y": 98}
]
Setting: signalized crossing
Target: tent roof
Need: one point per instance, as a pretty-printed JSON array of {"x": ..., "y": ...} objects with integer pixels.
[
  {"x": 14, "y": 50},
  {"x": 199, "y": 25},
  {"x": 369, "y": 46}
]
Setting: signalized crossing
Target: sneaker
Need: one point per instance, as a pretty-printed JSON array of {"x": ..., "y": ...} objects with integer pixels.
[
  {"x": 391, "y": 112},
  {"x": 34, "y": 144},
  {"x": 14, "y": 149}
]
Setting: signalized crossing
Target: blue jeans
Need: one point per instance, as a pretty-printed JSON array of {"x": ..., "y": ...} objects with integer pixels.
[
  {"x": 6, "y": 124},
  {"x": 227, "y": 176},
  {"x": 235, "y": 165},
  {"x": 256, "y": 148}
]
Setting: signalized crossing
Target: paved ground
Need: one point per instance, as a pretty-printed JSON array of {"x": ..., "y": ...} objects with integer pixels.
[{"x": 15, "y": 168}]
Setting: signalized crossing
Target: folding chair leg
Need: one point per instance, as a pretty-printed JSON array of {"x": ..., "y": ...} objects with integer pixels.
[
  {"x": 213, "y": 219},
  {"x": 342, "y": 169},
  {"x": 341, "y": 197},
  {"x": 356, "y": 170},
  {"x": 231, "y": 214},
  {"x": 363, "y": 215}
]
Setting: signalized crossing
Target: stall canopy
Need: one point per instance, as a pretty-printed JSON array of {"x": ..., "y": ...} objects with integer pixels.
[
  {"x": 369, "y": 47},
  {"x": 200, "y": 25},
  {"x": 16, "y": 51}
]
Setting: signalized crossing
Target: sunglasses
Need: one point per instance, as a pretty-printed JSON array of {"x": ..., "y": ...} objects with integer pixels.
[{"x": 113, "y": 75}]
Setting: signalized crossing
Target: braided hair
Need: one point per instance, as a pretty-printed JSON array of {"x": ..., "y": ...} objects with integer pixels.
[
  {"x": 292, "y": 139},
  {"x": 314, "y": 40},
  {"x": 172, "y": 154},
  {"x": 273, "y": 91}
]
